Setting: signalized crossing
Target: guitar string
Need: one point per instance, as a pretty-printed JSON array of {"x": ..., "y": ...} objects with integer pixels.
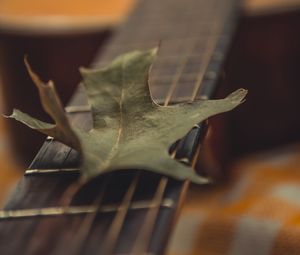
[
  {"x": 145, "y": 233},
  {"x": 78, "y": 240},
  {"x": 144, "y": 236},
  {"x": 153, "y": 212},
  {"x": 117, "y": 223},
  {"x": 140, "y": 246},
  {"x": 197, "y": 89},
  {"x": 119, "y": 219},
  {"x": 184, "y": 189},
  {"x": 142, "y": 243},
  {"x": 32, "y": 247},
  {"x": 114, "y": 231},
  {"x": 182, "y": 66},
  {"x": 87, "y": 223},
  {"x": 115, "y": 227},
  {"x": 179, "y": 72},
  {"x": 65, "y": 199}
]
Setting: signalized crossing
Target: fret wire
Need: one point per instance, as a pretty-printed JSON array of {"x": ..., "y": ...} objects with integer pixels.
[
  {"x": 49, "y": 138},
  {"x": 140, "y": 245},
  {"x": 29, "y": 172},
  {"x": 76, "y": 210},
  {"x": 119, "y": 219}
]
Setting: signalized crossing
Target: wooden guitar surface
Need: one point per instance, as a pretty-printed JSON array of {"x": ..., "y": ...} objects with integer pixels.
[{"x": 128, "y": 212}]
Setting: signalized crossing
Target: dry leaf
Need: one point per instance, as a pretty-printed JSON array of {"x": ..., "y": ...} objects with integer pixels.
[{"x": 130, "y": 130}]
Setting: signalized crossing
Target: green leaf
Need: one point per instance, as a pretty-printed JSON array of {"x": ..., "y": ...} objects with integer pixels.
[{"x": 130, "y": 131}]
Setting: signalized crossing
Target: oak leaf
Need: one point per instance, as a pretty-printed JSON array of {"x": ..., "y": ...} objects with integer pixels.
[{"x": 130, "y": 131}]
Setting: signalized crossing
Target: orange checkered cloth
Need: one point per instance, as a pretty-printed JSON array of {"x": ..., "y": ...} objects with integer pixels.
[{"x": 256, "y": 213}]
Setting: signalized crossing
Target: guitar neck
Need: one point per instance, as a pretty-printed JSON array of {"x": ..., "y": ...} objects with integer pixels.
[
  {"x": 193, "y": 37},
  {"x": 128, "y": 212}
]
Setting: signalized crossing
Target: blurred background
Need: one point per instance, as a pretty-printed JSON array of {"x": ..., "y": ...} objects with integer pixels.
[{"x": 60, "y": 36}]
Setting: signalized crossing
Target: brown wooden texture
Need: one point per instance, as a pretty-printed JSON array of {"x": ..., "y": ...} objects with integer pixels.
[{"x": 194, "y": 37}]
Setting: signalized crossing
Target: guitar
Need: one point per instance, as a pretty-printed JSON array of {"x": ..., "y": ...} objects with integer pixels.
[{"x": 128, "y": 212}]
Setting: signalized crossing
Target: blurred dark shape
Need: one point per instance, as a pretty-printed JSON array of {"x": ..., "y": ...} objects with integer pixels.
[
  {"x": 52, "y": 56},
  {"x": 265, "y": 59}
]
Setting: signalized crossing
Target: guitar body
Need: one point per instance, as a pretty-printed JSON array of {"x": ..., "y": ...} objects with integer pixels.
[{"x": 129, "y": 212}]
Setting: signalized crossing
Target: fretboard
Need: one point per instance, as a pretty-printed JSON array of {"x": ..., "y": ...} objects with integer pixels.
[
  {"x": 193, "y": 37},
  {"x": 130, "y": 212}
]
